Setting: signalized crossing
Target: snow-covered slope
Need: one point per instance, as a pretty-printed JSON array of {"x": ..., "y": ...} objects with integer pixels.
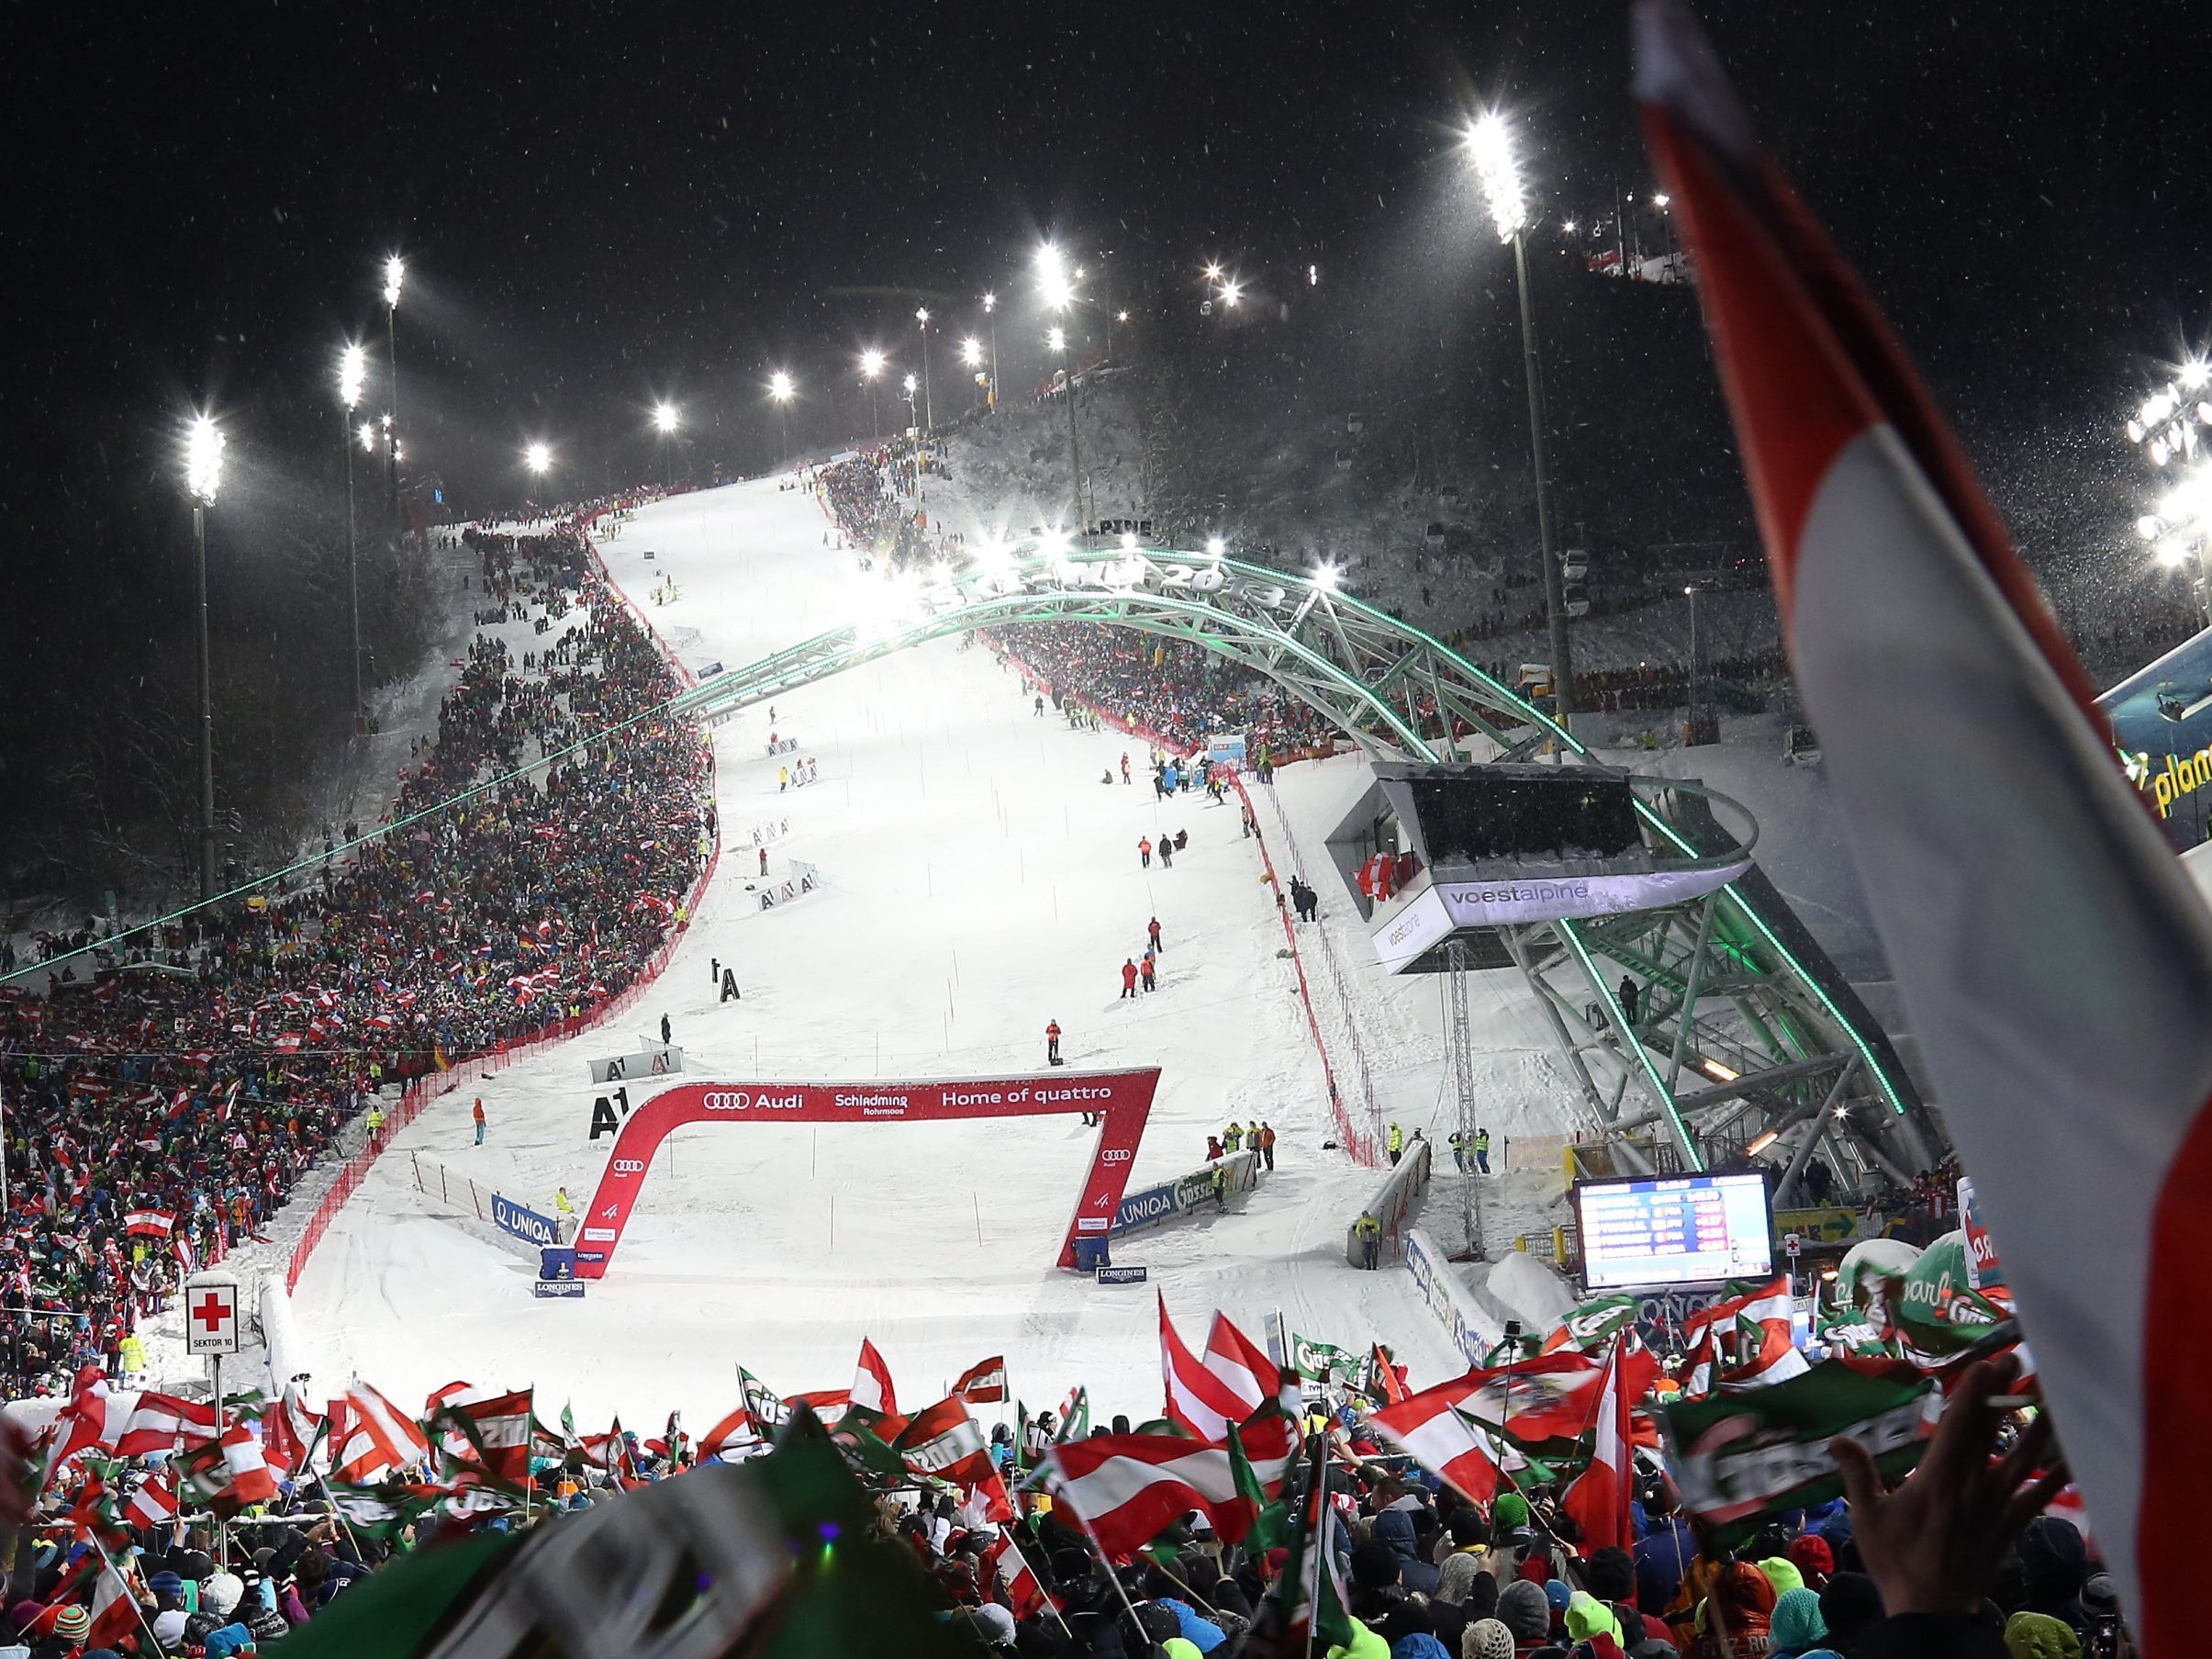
[{"x": 979, "y": 880}]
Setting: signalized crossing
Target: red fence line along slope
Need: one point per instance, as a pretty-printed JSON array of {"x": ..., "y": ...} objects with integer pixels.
[{"x": 424, "y": 1090}]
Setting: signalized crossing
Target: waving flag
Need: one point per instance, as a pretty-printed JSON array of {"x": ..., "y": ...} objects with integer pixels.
[
  {"x": 1132, "y": 1487},
  {"x": 2054, "y": 961},
  {"x": 984, "y": 1384},
  {"x": 157, "y": 1421},
  {"x": 378, "y": 1436},
  {"x": 152, "y": 1504},
  {"x": 735, "y": 1437},
  {"x": 1754, "y": 1327},
  {"x": 1599, "y": 1499},
  {"x": 1227, "y": 1385},
  {"x": 1432, "y": 1428},
  {"x": 944, "y": 1441},
  {"x": 1025, "y": 1591},
  {"x": 872, "y": 1382}
]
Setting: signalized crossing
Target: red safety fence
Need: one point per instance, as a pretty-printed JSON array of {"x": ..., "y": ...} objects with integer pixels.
[
  {"x": 1359, "y": 1143},
  {"x": 424, "y": 1090}
]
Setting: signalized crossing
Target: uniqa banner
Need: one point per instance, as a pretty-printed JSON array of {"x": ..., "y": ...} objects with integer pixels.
[{"x": 1121, "y": 1100}]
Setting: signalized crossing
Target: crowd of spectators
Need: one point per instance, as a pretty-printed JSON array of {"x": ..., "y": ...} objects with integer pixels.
[
  {"x": 1183, "y": 692},
  {"x": 163, "y": 1099},
  {"x": 1956, "y": 1564}
]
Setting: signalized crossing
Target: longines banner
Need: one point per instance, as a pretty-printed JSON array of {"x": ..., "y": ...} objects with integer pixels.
[
  {"x": 1124, "y": 1098},
  {"x": 1445, "y": 906}
]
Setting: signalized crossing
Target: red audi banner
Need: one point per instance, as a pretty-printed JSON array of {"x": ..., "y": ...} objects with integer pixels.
[{"x": 1123, "y": 1099}]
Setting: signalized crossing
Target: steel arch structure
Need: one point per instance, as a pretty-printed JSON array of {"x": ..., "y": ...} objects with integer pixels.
[{"x": 1747, "y": 1030}]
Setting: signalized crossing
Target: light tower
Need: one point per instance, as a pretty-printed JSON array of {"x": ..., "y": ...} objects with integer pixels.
[
  {"x": 353, "y": 375},
  {"x": 1490, "y": 149},
  {"x": 203, "y": 478}
]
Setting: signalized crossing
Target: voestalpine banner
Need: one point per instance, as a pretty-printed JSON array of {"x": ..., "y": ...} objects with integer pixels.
[
  {"x": 1445, "y": 906},
  {"x": 1122, "y": 1101}
]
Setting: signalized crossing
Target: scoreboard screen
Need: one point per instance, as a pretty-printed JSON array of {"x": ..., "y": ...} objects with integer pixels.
[{"x": 1673, "y": 1229}]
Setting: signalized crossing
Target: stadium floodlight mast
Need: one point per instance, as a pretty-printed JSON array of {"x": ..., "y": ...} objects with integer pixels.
[
  {"x": 990, "y": 311},
  {"x": 665, "y": 420},
  {"x": 782, "y": 389},
  {"x": 1056, "y": 338},
  {"x": 1490, "y": 149},
  {"x": 871, "y": 366},
  {"x": 2168, "y": 426},
  {"x": 203, "y": 479},
  {"x": 971, "y": 353},
  {"x": 352, "y": 375},
  {"x": 394, "y": 274},
  {"x": 929, "y": 407}
]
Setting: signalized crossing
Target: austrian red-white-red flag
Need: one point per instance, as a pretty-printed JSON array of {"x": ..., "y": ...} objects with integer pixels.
[
  {"x": 1227, "y": 1385},
  {"x": 250, "y": 1480},
  {"x": 1132, "y": 1487},
  {"x": 158, "y": 1420},
  {"x": 1598, "y": 1500},
  {"x": 983, "y": 1385},
  {"x": 2052, "y": 956},
  {"x": 871, "y": 1383},
  {"x": 1023, "y": 1589},
  {"x": 1432, "y": 1428},
  {"x": 945, "y": 1440},
  {"x": 502, "y": 1425},
  {"x": 152, "y": 1504},
  {"x": 289, "y": 1432},
  {"x": 735, "y": 1437},
  {"x": 378, "y": 1436},
  {"x": 1751, "y": 1334}
]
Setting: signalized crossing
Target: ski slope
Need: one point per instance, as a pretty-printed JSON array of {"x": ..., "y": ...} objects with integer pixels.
[{"x": 977, "y": 880}]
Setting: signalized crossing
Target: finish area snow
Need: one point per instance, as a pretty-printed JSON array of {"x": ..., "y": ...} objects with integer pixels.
[{"x": 977, "y": 880}]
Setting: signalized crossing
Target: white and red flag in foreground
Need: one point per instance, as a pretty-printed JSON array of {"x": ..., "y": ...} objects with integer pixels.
[
  {"x": 1132, "y": 1487},
  {"x": 1753, "y": 1333},
  {"x": 2054, "y": 961},
  {"x": 1227, "y": 1386},
  {"x": 1431, "y": 1429},
  {"x": 944, "y": 1441},
  {"x": 871, "y": 1383},
  {"x": 983, "y": 1384},
  {"x": 1598, "y": 1500},
  {"x": 1023, "y": 1589},
  {"x": 376, "y": 1435}
]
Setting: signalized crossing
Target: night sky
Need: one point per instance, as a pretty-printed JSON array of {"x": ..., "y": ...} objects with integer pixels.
[{"x": 601, "y": 205}]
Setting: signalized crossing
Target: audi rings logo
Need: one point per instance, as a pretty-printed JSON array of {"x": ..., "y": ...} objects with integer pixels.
[
  {"x": 629, "y": 1166},
  {"x": 1116, "y": 1155},
  {"x": 737, "y": 1100}
]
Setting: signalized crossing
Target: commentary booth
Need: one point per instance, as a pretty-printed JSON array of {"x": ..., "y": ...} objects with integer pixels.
[{"x": 1445, "y": 854}]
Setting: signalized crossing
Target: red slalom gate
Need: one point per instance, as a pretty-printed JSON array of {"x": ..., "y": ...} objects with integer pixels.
[{"x": 1123, "y": 1097}]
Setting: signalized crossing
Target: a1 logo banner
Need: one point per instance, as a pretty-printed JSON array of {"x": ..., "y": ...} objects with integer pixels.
[{"x": 1739, "y": 1459}]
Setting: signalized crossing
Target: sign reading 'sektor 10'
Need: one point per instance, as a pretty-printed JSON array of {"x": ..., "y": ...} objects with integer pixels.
[{"x": 1121, "y": 1099}]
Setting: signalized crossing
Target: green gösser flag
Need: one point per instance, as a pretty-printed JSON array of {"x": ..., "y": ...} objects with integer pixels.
[
  {"x": 1318, "y": 1361},
  {"x": 1738, "y": 1459}
]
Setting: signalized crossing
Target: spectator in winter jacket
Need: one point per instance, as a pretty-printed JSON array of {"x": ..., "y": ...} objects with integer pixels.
[{"x": 1128, "y": 977}]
